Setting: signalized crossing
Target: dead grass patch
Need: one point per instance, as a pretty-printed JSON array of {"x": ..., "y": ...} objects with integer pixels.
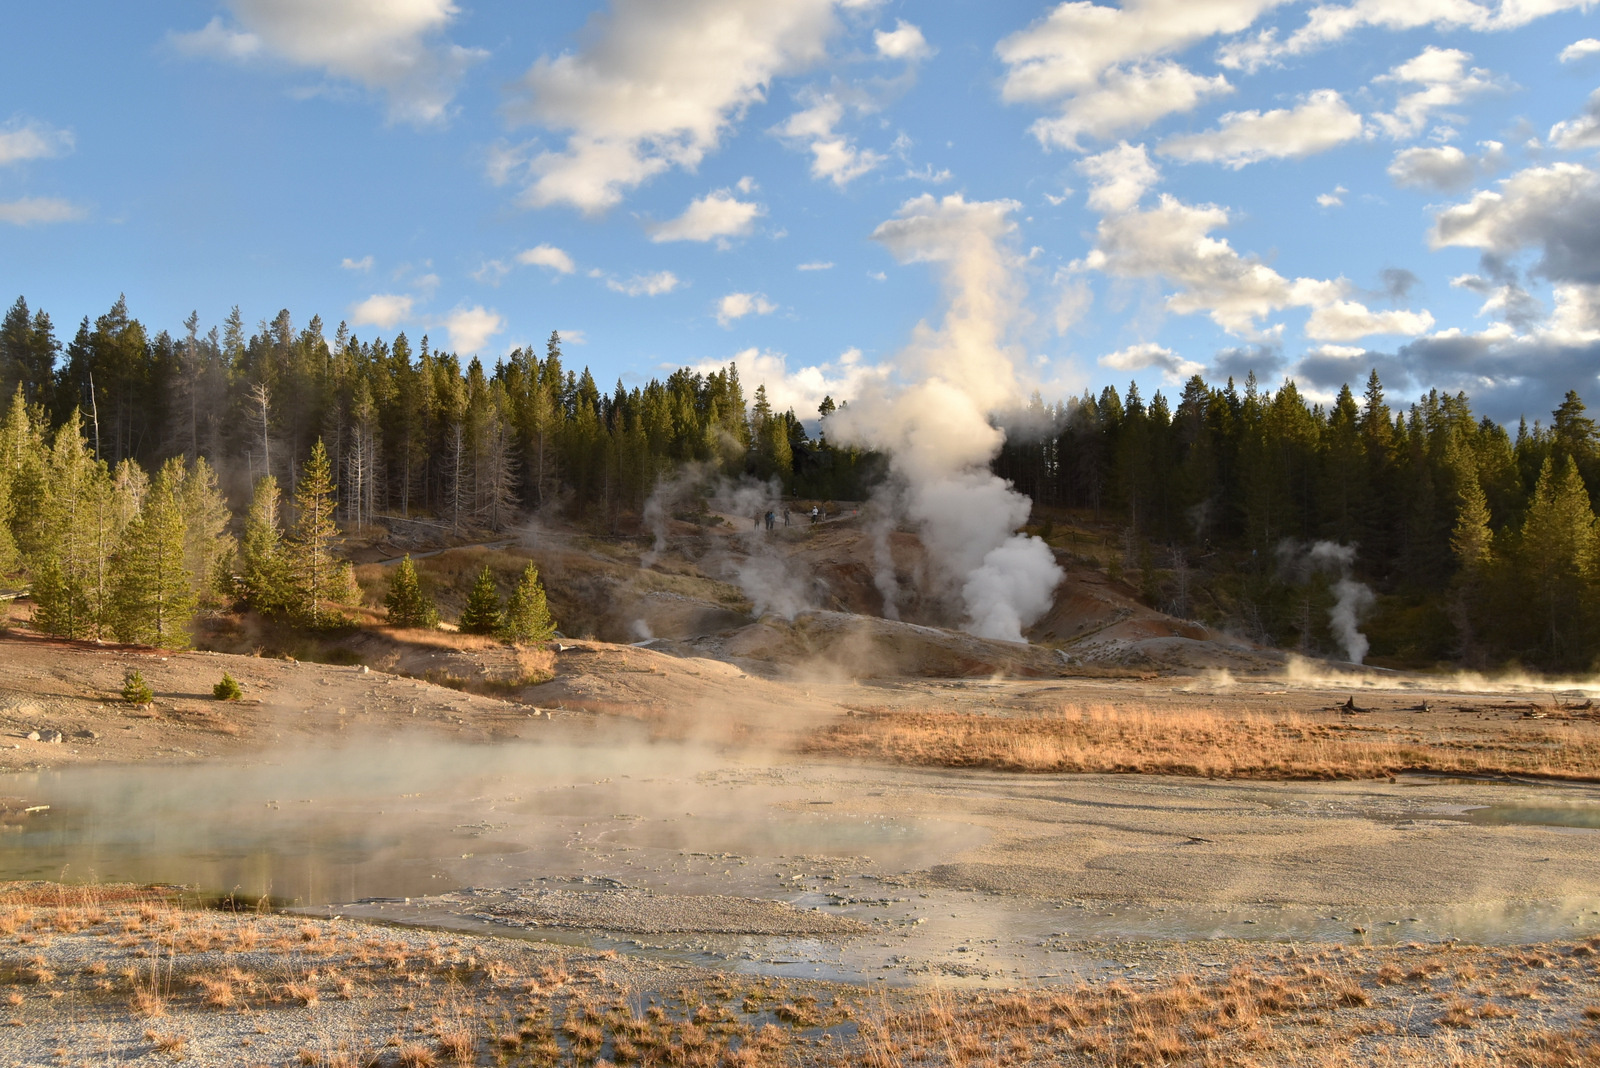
[{"x": 1200, "y": 741}]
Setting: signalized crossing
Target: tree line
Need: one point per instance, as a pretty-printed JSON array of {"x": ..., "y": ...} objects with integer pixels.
[{"x": 1481, "y": 543}]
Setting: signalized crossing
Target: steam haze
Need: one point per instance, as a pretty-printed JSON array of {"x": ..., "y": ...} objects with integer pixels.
[{"x": 935, "y": 424}]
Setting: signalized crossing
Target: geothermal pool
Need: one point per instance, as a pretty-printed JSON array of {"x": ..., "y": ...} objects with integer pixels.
[{"x": 972, "y": 877}]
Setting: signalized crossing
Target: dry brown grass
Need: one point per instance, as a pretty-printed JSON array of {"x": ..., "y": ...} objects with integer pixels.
[{"x": 1205, "y": 742}]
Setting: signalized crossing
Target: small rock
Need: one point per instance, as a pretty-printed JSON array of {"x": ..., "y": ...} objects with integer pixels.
[
  {"x": 33, "y": 736},
  {"x": 364, "y": 670},
  {"x": 49, "y": 737},
  {"x": 86, "y": 733}
]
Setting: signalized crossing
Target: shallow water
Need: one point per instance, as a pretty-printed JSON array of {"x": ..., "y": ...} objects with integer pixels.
[{"x": 359, "y": 831}]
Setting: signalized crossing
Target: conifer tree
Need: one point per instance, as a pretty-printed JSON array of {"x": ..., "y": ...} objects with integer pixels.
[
  {"x": 406, "y": 604},
  {"x": 1556, "y": 557},
  {"x": 208, "y": 548},
  {"x": 316, "y": 538},
  {"x": 153, "y": 598},
  {"x": 527, "y": 617},
  {"x": 264, "y": 567},
  {"x": 482, "y": 612}
]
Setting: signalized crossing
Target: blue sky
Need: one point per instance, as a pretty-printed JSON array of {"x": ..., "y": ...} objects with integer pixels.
[{"x": 1151, "y": 189}]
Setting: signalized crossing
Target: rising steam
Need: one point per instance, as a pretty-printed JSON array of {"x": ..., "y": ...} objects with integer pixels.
[
  {"x": 1351, "y": 598},
  {"x": 936, "y": 427}
]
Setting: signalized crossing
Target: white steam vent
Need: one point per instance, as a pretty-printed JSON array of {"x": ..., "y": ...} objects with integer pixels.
[
  {"x": 1351, "y": 598},
  {"x": 934, "y": 422}
]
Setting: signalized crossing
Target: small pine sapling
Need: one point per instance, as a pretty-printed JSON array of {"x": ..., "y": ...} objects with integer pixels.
[
  {"x": 407, "y": 604},
  {"x": 227, "y": 689},
  {"x": 527, "y": 612},
  {"x": 135, "y": 690},
  {"x": 482, "y": 613}
]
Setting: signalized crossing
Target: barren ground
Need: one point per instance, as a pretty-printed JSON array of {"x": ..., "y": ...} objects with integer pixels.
[{"x": 832, "y": 839}]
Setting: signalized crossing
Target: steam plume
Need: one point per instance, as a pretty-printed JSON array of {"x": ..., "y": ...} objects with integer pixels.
[
  {"x": 936, "y": 427},
  {"x": 1351, "y": 598}
]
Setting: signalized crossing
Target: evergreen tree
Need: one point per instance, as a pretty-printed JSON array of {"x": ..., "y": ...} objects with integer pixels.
[
  {"x": 527, "y": 617},
  {"x": 153, "y": 598},
  {"x": 208, "y": 548},
  {"x": 264, "y": 565},
  {"x": 311, "y": 550},
  {"x": 1556, "y": 560},
  {"x": 407, "y": 604},
  {"x": 482, "y": 612}
]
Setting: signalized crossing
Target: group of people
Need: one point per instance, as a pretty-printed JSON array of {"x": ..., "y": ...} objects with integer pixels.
[{"x": 771, "y": 517}]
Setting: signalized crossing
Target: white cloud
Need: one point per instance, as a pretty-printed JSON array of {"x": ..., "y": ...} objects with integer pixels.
[
  {"x": 1446, "y": 81},
  {"x": 645, "y": 285},
  {"x": 1100, "y": 64},
  {"x": 717, "y": 214},
  {"x": 801, "y": 390},
  {"x": 471, "y": 328},
  {"x": 363, "y": 264},
  {"x": 1334, "y": 199},
  {"x": 388, "y": 46},
  {"x": 1173, "y": 241},
  {"x": 1139, "y": 357},
  {"x": 905, "y": 42},
  {"x": 655, "y": 86},
  {"x": 1445, "y": 169},
  {"x": 1128, "y": 99},
  {"x": 38, "y": 211},
  {"x": 815, "y": 265},
  {"x": 382, "y": 310},
  {"x": 738, "y": 305},
  {"x": 1328, "y": 23},
  {"x": 834, "y": 156},
  {"x": 1322, "y": 121},
  {"x": 1580, "y": 49},
  {"x": 1119, "y": 177},
  {"x": 22, "y": 140},
  {"x": 547, "y": 256},
  {"x": 1555, "y": 209},
  {"x": 1348, "y": 320},
  {"x": 1581, "y": 132}
]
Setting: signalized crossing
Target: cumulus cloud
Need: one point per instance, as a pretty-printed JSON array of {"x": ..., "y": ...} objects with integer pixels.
[
  {"x": 393, "y": 48},
  {"x": 1119, "y": 177},
  {"x": 801, "y": 390},
  {"x": 645, "y": 285},
  {"x": 656, "y": 86},
  {"x": 1445, "y": 169},
  {"x": 1101, "y": 65},
  {"x": 1173, "y": 241},
  {"x": 1554, "y": 209},
  {"x": 471, "y": 328},
  {"x": 38, "y": 211},
  {"x": 26, "y": 139},
  {"x": 718, "y": 214},
  {"x": 1139, "y": 357},
  {"x": 1126, "y": 100},
  {"x": 738, "y": 305},
  {"x": 1329, "y": 23},
  {"x": 1445, "y": 81},
  {"x": 815, "y": 265},
  {"x": 1581, "y": 132},
  {"x": 1580, "y": 50},
  {"x": 833, "y": 155},
  {"x": 364, "y": 264},
  {"x": 905, "y": 42},
  {"x": 547, "y": 256},
  {"x": 382, "y": 310},
  {"x": 1334, "y": 199},
  {"x": 1320, "y": 122}
]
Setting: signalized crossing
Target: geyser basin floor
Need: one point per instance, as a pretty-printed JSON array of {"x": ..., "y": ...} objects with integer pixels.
[{"x": 973, "y": 876}]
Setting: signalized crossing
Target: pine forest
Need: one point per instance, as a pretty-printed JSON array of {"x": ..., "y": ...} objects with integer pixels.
[{"x": 146, "y": 475}]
